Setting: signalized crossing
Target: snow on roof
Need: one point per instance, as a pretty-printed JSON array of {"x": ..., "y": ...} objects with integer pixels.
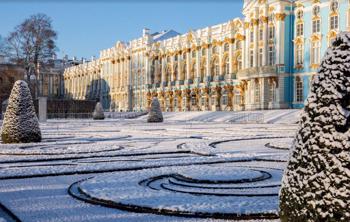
[{"x": 164, "y": 35}]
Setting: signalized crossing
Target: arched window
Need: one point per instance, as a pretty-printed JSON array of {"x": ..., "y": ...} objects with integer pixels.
[
  {"x": 298, "y": 89},
  {"x": 175, "y": 72},
  {"x": 215, "y": 67},
  {"x": 215, "y": 50},
  {"x": 167, "y": 74},
  {"x": 204, "y": 52},
  {"x": 194, "y": 70},
  {"x": 226, "y": 66},
  {"x": 193, "y": 54},
  {"x": 184, "y": 71},
  {"x": 203, "y": 68},
  {"x": 226, "y": 47}
]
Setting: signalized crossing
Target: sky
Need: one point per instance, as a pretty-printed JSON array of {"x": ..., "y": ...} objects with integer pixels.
[{"x": 86, "y": 27}]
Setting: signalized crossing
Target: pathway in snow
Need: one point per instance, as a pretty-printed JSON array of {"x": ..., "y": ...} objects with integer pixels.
[{"x": 205, "y": 169}]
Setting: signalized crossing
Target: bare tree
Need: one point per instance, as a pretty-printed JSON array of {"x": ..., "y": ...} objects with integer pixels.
[{"x": 32, "y": 43}]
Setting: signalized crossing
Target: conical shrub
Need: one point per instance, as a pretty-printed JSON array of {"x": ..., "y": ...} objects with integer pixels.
[
  {"x": 98, "y": 113},
  {"x": 20, "y": 123},
  {"x": 155, "y": 114},
  {"x": 316, "y": 183}
]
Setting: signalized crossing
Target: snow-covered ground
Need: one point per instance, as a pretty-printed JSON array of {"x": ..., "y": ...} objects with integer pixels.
[{"x": 197, "y": 164}]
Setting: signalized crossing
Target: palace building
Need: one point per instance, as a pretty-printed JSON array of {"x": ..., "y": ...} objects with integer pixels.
[{"x": 265, "y": 60}]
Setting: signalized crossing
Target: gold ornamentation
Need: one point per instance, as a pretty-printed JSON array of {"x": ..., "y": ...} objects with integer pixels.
[
  {"x": 264, "y": 19},
  {"x": 280, "y": 16}
]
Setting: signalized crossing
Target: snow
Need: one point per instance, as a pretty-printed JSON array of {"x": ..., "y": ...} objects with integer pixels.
[
  {"x": 98, "y": 112},
  {"x": 20, "y": 121},
  {"x": 155, "y": 113},
  {"x": 316, "y": 182},
  {"x": 117, "y": 154}
]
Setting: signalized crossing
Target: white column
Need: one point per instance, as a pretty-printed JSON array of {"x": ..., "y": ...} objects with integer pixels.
[
  {"x": 280, "y": 41},
  {"x": 231, "y": 50},
  {"x": 198, "y": 74},
  {"x": 256, "y": 45},
  {"x": 208, "y": 61},
  {"x": 188, "y": 65}
]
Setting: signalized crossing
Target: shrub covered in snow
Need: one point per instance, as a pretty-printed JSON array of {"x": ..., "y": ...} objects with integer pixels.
[
  {"x": 98, "y": 113},
  {"x": 155, "y": 113},
  {"x": 316, "y": 183},
  {"x": 20, "y": 121}
]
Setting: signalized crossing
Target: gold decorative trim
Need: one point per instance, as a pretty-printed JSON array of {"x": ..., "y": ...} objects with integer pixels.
[{"x": 280, "y": 16}]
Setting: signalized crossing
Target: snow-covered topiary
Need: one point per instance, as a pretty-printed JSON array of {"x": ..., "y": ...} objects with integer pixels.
[
  {"x": 155, "y": 113},
  {"x": 20, "y": 121},
  {"x": 98, "y": 112},
  {"x": 316, "y": 183}
]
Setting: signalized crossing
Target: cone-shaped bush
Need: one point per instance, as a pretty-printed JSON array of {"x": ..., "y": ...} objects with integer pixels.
[
  {"x": 316, "y": 183},
  {"x": 20, "y": 121},
  {"x": 98, "y": 112},
  {"x": 155, "y": 114}
]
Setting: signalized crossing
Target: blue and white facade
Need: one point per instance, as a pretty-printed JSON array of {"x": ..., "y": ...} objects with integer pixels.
[{"x": 265, "y": 60}]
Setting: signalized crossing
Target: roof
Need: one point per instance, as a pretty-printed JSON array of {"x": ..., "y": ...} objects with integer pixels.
[{"x": 164, "y": 35}]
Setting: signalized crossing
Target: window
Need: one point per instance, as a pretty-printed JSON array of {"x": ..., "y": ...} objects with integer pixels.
[
  {"x": 227, "y": 66},
  {"x": 299, "y": 55},
  {"x": 260, "y": 56},
  {"x": 300, "y": 14},
  {"x": 193, "y": 54},
  {"x": 194, "y": 70},
  {"x": 271, "y": 33},
  {"x": 261, "y": 34},
  {"x": 271, "y": 55},
  {"x": 300, "y": 29},
  {"x": 204, "y": 52},
  {"x": 239, "y": 62},
  {"x": 216, "y": 67},
  {"x": 334, "y": 6},
  {"x": 215, "y": 50},
  {"x": 334, "y": 22},
  {"x": 257, "y": 92},
  {"x": 251, "y": 36},
  {"x": 316, "y": 10},
  {"x": 238, "y": 45},
  {"x": 193, "y": 100},
  {"x": 315, "y": 52},
  {"x": 251, "y": 58},
  {"x": 224, "y": 99},
  {"x": 226, "y": 47},
  {"x": 316, "y": 26},
  {"x": 299, "y": 89}
]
